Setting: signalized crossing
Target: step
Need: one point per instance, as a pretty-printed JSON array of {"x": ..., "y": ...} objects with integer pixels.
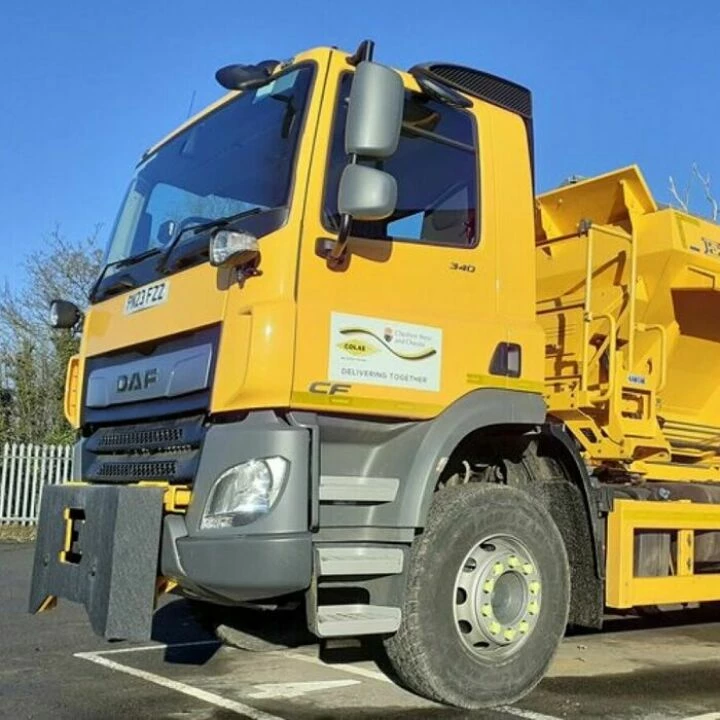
[
  {"x": 351, "y": 620},
  {"x": 359, "y": 560}
]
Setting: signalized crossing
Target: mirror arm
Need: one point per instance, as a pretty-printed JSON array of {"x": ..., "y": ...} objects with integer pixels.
[
  {"x": 339, "y": 249},
  {"x": 364, "y": 51}
]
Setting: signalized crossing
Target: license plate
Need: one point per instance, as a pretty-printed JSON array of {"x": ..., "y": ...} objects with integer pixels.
[{"x": 147, "y": 297}]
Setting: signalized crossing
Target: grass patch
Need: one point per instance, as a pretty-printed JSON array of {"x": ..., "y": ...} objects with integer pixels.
[{"x": 17, "y": 533}]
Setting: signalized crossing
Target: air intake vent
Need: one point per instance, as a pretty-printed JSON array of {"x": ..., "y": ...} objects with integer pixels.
[
  {"x": 149, "y": 470},
  {"x": 121, "y": 439},
  {"x": 168, "y": 435},
  {"x": 484, "y": 86}
]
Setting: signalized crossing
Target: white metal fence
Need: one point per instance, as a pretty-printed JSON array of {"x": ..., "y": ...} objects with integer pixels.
[{"x": 24, "y": 470}]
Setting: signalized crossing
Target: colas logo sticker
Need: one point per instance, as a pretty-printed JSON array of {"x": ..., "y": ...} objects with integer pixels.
[
  {"x": 363, "y": 348},
  {"x": 358, "y": 348}
]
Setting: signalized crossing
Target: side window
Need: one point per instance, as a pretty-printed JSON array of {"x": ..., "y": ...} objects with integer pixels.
[{"x": 436, "y": 171}]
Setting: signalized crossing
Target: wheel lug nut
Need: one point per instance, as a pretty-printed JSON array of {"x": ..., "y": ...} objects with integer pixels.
[
  {"x": 513, "y": 562},
  {"x": 523, "y": 627},
  {"x": 494, "y": 628},
  {"x": 533, "y": 608},
  {"x": 486, "y": 610},
  {"x": 498, "y": 568},
  {"x": 489, "y": 585},
  {"x": 509, "y": 634},
  {"x": 534, "y": 587},
  {"x": 527, "y": 568}
]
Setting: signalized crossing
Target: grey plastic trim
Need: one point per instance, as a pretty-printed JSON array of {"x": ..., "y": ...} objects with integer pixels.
[
  {"x": 414, "y": 452},
  {"x": 475, "y": 411},
  {"x": 351, "y": 620},
  {"x": 261, "y": 434},
  {"x": 162, "y": 375},
  {"x": 359, "y": 560},
  {"x": 365, "y": 534},
  {"x": 346, "y": 488}
]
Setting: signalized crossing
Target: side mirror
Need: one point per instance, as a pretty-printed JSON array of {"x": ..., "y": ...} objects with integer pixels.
[
  {"x": 166, "y": 232},
  {"x": 372, "y": 130},
  {"x": 366, "y": 193},
  {"x": 64, "y": 314},
  {"x": 375, "y": 113}
]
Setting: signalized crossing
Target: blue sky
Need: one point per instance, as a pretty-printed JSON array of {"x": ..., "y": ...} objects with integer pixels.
[{"x": 88, "y": 85}]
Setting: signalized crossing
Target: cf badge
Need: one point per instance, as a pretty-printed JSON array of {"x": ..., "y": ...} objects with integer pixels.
[{"x": 328, "y": 388}]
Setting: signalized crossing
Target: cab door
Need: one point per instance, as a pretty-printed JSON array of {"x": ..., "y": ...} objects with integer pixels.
[{"x": 409, "y": 321}]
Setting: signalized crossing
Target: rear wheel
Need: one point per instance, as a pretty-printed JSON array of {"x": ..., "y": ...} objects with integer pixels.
[{"x": 487, "y": 598}]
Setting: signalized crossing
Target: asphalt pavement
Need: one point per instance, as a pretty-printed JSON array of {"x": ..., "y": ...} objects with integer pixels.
[{"x": 53, "y": 666}]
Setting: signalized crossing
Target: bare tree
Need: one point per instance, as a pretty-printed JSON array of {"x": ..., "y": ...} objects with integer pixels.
[
  {"x": 33, "y": 357},
  {"x": 682, "y": 199}
]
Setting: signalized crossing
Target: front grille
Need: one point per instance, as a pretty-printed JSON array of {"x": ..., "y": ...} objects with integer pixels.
[
  {"x": 119, "y": 438},
  {"x": 166, "y": 450},
  {"x": 150, "y": 470}
]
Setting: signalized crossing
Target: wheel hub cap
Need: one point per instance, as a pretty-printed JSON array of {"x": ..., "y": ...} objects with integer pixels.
[{"x": 497, "y": 596}]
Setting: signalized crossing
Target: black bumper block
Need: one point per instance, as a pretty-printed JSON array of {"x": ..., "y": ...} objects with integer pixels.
[{"x": 99, "y": 546}]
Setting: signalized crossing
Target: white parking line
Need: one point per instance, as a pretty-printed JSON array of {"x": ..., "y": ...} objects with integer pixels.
[
  {"x": 344, "y": 667},
  {"x": 156, "y": 646},
  {"x": 279, "y": 690},
  {"x": 271, "y": 691},
  {"x": 375, "y": 675},
  {"x": 526, "y": 714},
  {"x": 204, "y": 695},
  {"x": 706, "y": 716}
]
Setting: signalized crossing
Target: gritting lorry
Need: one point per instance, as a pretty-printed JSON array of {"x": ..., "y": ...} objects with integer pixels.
[{"x": 340, "y": 357}]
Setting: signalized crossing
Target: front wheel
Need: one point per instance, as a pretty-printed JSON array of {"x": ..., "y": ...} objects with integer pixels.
[{"x": 487, "y": 598}]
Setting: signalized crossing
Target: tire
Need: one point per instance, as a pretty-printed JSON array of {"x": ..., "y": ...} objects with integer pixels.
[{"x": 431, "y": 652}]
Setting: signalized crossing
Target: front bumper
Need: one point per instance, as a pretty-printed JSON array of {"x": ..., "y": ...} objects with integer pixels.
[
  {"x": 266, "y": 558},
  {"x": 108, "y": 553},
  {"x": 236, "y": 569}
]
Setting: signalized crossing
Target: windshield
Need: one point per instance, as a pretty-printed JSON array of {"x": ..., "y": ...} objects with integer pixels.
[{"x": 237, "y": 158}]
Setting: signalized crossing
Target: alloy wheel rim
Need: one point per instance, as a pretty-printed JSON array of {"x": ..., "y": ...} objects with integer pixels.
[{"x": 498, "y": 596}]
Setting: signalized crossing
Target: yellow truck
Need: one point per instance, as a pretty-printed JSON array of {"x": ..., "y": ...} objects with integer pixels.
[{"x": 340, "y": 354}]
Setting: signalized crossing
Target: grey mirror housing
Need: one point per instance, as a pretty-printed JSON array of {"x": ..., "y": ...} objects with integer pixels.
[
  {"x": 64, "y": 314},
  {"x": 366, "y": 193},
  {"x": 375, "y": 112}
]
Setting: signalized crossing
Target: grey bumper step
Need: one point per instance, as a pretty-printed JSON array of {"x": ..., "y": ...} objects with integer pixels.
[
  {"x": 359, "y": 560},
  {"x": 351, "y": 620}
]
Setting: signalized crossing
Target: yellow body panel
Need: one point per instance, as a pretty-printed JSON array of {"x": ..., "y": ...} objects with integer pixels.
[
  {"x": 256, "y": 353},
  {"x": 624, "y": 589},
  {"x": 403, "y": 282},
  {"x": 275, "y": 340},
  {"x": 628, "y": 297}
]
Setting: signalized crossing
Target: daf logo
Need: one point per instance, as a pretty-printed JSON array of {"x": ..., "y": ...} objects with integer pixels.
[{"x": 137, "y": 380}]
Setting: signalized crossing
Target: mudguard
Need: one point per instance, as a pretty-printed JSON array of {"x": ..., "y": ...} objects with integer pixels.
[{"x": 99, "y": 546}]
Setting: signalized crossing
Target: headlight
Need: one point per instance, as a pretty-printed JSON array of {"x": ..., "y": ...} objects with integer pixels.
[
  {"x": 244, "y": 492},
  {"x": 230, "y": 246}
]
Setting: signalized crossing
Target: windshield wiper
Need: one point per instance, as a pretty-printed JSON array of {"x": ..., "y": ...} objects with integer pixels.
[
  {"x": 218, "y": 222},
  {"x": 133, "y": 259},
  {"x": 123, "y": 262}
]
